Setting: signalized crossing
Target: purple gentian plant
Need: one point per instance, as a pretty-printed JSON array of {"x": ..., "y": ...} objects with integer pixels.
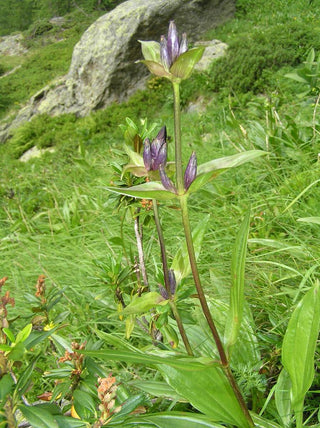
[{"x": 172, "y": 60}]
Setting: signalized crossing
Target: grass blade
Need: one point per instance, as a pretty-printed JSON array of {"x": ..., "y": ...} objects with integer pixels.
[{"x": 237, "y": 289}]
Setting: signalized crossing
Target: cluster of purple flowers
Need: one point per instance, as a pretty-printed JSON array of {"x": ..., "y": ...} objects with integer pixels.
[{"x": 155, "y": 159}]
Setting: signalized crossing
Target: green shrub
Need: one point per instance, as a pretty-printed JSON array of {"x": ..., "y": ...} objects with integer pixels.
[{"x": 249, "y": 57}]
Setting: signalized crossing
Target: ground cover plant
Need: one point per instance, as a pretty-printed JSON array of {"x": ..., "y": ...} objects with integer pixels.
[{"x": 93, "y": 314}]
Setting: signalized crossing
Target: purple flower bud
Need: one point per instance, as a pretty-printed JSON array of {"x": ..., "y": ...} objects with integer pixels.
[
  {"x": 165, "y": 180},
  {"x": 147, "y": 159},
  {"x": 183, "y": 44},
  {"x": 172, "y": 281},
  {"x": 164, "y": 55},
  {"x": 173, "y": 42},
  {"x": 155, "y": 153},
  {"x": 161, "y": 158},
  {"x": 162, "y": 134},
  {"x": 191, "y": 171},
  {"x": 163, "y": 292}
]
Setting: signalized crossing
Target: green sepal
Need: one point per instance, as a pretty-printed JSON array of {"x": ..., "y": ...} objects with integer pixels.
[
  {"x": 150, "y": 190},
  {"x": 156, "y": 68},
  {"x": 150, "y": 50},
  {"x": 184, "y": 65},
  {"x": 209, "y": 170}
]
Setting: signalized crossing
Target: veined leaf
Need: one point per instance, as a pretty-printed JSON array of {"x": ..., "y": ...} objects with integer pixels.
[
  {"x": 137, "y": 357},
  {"x": 207, "y": 171},
  {"x": 209, "y": 391},
  {"x": 24, "y": 333},
  {"x": 260, "y": 422},
  {"x": 237, "y": 289},
  {"x": 38, "y": 417},
  {"x": 299, "y": 345},
  {"x": 149, "y": 190},
  {"x": 282, "y": 397},
  {"x": 168, "y": 420},
  {"x": 157, "y": 389},
  {"x": 180, "y": 263},
  {"x": 150, "y": 50},
  {"x": 142, "y": 304},
  {"x": 184, "y": 65}
]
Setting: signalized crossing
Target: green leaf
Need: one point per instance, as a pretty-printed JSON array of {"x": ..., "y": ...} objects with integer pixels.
[
  {"x": 299, "y": 345},
  {"x": 17, "y": 352},
  {"x": 169, "y": 420},
  {"x": 314, "y": 220},
  {"x": 260, "y": 422},
  {"x": 137, "y": 357},
  {"x": 84, "y": 404},
  {"x": 9, "y": 334},
  {"x": 65, "y": 422},
  {"x": 234, "y": 318},
  {"x": 207, "y": 171},
  {"x": 24, "y": 379},
  {"x": 6, "y": 385},
  {"x": 157, "y": 389},
  {"x": 150, "y": 50},
  {"x": 282, "y": 397},
  {"x": 181, "y": 263},
  {"x": 142, "y": 304},
  {"x": 37, "y": 337},
  {"x": 37, "y": 417},
  {"x": 296, "y": 77},
  {"x": 149, "y": 190},
  {"x": 209, "y": 391},
  {"x": 5, "y": 348},
  {"x": 130, "y": 405},
  {"x": 135, "y": 157},
  {"x": 184, "y": 65},
  {"x": 24, "y": 333}
]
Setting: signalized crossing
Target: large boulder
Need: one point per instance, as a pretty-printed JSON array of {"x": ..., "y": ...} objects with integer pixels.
[{"x": 103, "y": 67}]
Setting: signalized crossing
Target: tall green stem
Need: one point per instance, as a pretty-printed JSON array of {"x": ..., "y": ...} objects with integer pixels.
[
  {"x": 177, "y": 137},
  {"x": 166, "y": 279},
  {"x": 192, "y": 258}
]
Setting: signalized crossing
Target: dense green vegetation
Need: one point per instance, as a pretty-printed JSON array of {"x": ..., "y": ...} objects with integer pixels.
[
  {"x": 58, "y": 220},
  {"x": 19, "y": 15}
]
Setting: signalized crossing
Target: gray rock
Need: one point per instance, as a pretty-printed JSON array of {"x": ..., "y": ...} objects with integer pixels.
[
  {"x": 213, "y": 49},
  {"x": 103, "y": 67},
  {"x": 11, "y": 45}
]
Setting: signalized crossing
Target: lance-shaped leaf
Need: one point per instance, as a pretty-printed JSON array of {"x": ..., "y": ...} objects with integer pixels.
[
  {"x": 166, "y": 420},
  {"x": 207, "y": 171},
  {"x": 184, "y": 65},
  {"x": 136, "y": 356},
  {"x": 180, "y": 263},
  {"x": 282, "y": 397},
  {"x": 209, "y": 391},
  {"x": 237, "y": 288},
  {"x": 299, "y": 346},
  {"x": 142, "y": 304},
  {"x": 149, "y": 190}
]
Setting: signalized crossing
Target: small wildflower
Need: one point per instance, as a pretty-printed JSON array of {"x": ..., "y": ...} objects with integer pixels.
[{"x": 165, "y": 180}]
